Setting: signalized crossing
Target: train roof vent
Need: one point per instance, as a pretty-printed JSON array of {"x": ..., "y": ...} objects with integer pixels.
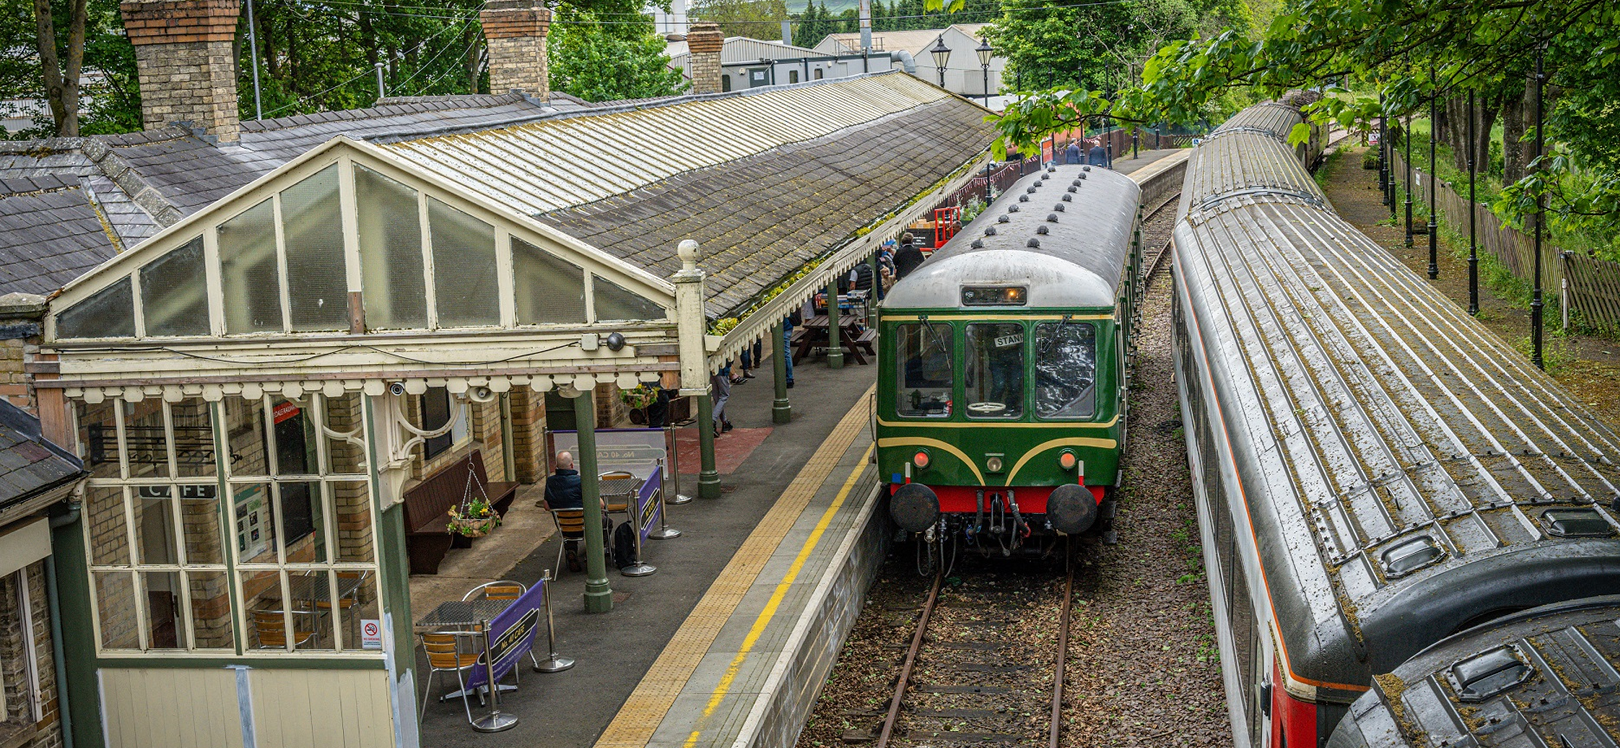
[
  {"x": 1041, "y": 230},
  {"x": 1013, "y": 208},
  {"x": 1489, "y": 673},
  {"x": 1031, "y": 189},
  {"x": 1411, "y": 555},
  {"x": 990, "y": 230},
  {"x": 1033, "y": 242},
  {"x": 1059, "y": 207},
  {"x": 1052, "y": 217},
  {"x": 1002, "y": 219},
  {"x": 1085, "y": 168},
  {"x": 1074, "y": 188},
  {"x": 977, "y": 244},
  {"x": 1068, "y": 198},
  {"x": 1576, "y": 523}
]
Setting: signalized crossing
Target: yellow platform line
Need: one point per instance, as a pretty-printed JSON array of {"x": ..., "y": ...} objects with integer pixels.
[{"x": 649, "y": 703}]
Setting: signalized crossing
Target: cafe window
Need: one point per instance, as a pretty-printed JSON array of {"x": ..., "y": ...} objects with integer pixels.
[{"x": 268, "y": 548}]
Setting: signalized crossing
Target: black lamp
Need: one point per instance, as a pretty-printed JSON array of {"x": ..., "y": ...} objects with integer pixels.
[{"x": 941, "y": 54}]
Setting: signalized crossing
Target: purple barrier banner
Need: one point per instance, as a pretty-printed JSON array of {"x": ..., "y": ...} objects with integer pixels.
[
  {"x": 648, "y": 506},
  {"x": 511, "y": 634}
]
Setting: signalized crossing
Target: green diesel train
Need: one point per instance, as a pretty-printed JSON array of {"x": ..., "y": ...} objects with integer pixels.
[{"x": 1002, "y": 368}]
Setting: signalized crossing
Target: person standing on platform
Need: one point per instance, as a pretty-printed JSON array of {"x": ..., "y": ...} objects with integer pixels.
[
  {"x": 1099, "y": 155},
  {"x": 907, "y": 258},
  {"x": 788, "y": 323},
  {"x": 1071, "y": 155},
  {"x": 752, "y": 356},
  {"x": 721, "y": 382}
]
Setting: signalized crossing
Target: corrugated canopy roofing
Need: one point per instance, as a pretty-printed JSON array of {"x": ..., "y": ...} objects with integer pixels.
[{"x": 768, "y": 177}]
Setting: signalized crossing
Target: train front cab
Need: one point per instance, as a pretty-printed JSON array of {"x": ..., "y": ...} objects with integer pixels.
[{"x": 994, "y": 411}]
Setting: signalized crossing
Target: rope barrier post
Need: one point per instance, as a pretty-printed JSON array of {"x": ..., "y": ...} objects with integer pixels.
[
  {"x": 552, "y": 663},
  {"x": 495, "y": 721},
  {"x": 664, "y": 531},
  {"x": 637, "y": 567},
  {"x": 672, "y": 447}
]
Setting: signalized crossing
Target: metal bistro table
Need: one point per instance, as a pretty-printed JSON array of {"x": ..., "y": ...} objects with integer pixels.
[
  {"x": 313, "y": 589},
  {"x": 464, "y": 616}
]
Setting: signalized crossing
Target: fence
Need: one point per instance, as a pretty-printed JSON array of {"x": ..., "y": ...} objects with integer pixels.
[{"x": 1588, "y": 286}]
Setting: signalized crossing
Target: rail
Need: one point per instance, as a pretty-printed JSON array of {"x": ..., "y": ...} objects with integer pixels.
[{"x": 920, "y": 635}]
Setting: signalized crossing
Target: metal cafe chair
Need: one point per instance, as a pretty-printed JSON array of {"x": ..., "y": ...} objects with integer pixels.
[
  {"x": 272, "y": 632},
  {"x": 617, "y": 489},
  {"x": 571, "y": 525},
  {"x": 502, "y": 590},
  {"x": 445, "y": 655}
]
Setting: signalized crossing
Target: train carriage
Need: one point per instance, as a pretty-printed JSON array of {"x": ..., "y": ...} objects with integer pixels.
[
  {"x": 1000, "y": 412},
  {"x": 1374, "y": 470}
]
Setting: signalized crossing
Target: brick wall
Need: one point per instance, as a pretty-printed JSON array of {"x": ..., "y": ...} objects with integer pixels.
[
  {"x": 528, "y": 434},
  {"x": 184, "y": 59},
  {"x": 20, "y": 729},
  {"x": 515, "y": 32},
  {"x": 704, "y": 40}
]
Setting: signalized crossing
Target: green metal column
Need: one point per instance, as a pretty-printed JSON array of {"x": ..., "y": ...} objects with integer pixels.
[
  {"x": 835, "y": 343},
  {"x": 598, "y": 597},
  {"x": 781, "y": 409},
  {"x": 708, "y": 475}
]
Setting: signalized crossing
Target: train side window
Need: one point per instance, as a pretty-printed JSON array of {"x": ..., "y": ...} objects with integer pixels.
[
  {"x": 1065, "y": 370},
  {"x": 924, "y": 375},
  {"x": 995, "y": 370}
]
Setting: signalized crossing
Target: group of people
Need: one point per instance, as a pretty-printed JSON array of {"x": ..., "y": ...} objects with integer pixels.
[{"x": 1088, "y": 151}]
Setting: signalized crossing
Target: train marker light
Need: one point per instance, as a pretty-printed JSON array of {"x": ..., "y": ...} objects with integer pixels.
[
  {"x": 920, "y": 459},
  {"x": 1068, "y": 461},
  {"x": 993, "y": 464}
]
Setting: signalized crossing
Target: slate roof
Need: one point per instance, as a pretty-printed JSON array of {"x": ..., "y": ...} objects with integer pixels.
[
  {"x": 29, "y": 464},
  {"x": 53, "y": 228},
  {"x": 763, "y": 217}
]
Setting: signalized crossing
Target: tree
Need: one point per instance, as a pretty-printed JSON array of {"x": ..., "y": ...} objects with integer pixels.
[
  {"x": 61, "y": 66},
  {"x": 1408, "y": 52},
  {"x": 757, "y": 19},
  {"x": 1093, "y": 45},
  {"x": 599, "y": 61}
]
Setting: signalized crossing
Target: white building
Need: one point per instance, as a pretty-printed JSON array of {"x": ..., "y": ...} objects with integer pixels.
[
  {"x": 963, "y": 73},
  {"x": 750, "y": 63},
  {"x": 669, "y": 22}
]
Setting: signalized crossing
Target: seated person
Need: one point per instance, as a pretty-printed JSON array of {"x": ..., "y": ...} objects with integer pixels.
[{"x": 563, "y": 489}]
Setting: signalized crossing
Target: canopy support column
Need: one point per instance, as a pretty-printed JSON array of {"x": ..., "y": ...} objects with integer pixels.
[
  {"x": 708, "y": 475},
  {"x": 598, "y": 596},
  {"x": 835, "y": 336},
  {"x": 781, "y": 409}
]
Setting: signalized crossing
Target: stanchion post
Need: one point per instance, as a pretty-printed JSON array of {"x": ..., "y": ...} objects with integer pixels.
[
  {"x": 673, "y": 448},
  {"x": 638, "y": 568},
  {"x": 553, "y": 663},
  {"x": 664, "y": 531},
  {"x": 495, "y": 721}
]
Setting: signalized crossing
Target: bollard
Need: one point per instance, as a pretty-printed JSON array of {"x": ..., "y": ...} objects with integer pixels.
[{"x": 553, "y": 663}]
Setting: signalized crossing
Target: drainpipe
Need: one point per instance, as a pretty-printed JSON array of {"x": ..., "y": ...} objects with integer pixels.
[
  {"x": 906, "y": 61},
  {"x": 51, "y": 597}
]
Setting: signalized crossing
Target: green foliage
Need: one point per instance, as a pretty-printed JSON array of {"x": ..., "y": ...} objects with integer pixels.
[
  {"x": 111, "y": 102},
  {"x": 599, "y": 61},
  {"x": 758, "y": 19}
]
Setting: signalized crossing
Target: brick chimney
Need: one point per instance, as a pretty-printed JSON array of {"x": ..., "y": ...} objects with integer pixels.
[
  {"x": 185, "y": 64},
  {"x": 704, "y": 41},
  {"x": 516, "y": 33}
]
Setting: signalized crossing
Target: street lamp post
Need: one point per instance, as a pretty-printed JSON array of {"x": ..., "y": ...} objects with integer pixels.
[
  {"x": 941, "y": 54},
  {"x": 985, "y": 52},
  {"x": 1473, "y": 211},
  {"x": 1535, "y": 293},
  {"x": 1434, "y": 181}
]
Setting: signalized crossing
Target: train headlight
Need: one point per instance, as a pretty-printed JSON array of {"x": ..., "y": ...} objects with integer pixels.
[
  {"x": 920, "y": 459},
  {"x": 993, "y": 464},
  {"x": 1068, "y": 461}
]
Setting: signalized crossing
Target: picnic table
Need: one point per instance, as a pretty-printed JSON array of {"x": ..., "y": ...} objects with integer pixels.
[{"x": 852, "y": 335}]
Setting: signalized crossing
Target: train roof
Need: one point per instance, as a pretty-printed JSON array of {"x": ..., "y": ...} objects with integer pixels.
[
  {"x": 1545, "y": 677},
  {"x": 1272, "y": 118},
  {"x": 1065, "y": 232},
  {"x": 1403, "y": 471}
]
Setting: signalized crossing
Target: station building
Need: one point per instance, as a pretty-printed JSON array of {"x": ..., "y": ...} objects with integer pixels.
[{"x": 251, "y": 339}]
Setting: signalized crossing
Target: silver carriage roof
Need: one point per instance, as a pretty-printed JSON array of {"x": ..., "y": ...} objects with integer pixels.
[{"x": 1078, "y": 260}]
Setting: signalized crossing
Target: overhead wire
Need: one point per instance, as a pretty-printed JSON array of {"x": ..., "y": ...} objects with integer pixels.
[{"x": 308, "y": 98}]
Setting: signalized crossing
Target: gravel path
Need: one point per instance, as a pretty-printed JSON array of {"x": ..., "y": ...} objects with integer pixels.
[{"x": 1143, "y": 667}]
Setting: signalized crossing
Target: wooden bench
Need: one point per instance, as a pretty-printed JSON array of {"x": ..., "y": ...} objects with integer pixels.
[{"x": 427, "y": 507}]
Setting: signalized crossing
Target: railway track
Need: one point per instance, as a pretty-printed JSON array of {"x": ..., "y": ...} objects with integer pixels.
[
  {"x": 972, "y": 672},
  {"x": 1157, "y": 258}
]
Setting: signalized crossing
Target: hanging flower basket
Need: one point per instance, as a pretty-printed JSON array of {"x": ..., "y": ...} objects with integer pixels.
[
  {"x": 639, "y": 398},
  {"x": 473, "y": 518}
]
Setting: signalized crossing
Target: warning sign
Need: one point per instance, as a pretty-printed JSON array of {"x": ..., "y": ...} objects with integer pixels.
[{"x": 370, "y": 633}]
